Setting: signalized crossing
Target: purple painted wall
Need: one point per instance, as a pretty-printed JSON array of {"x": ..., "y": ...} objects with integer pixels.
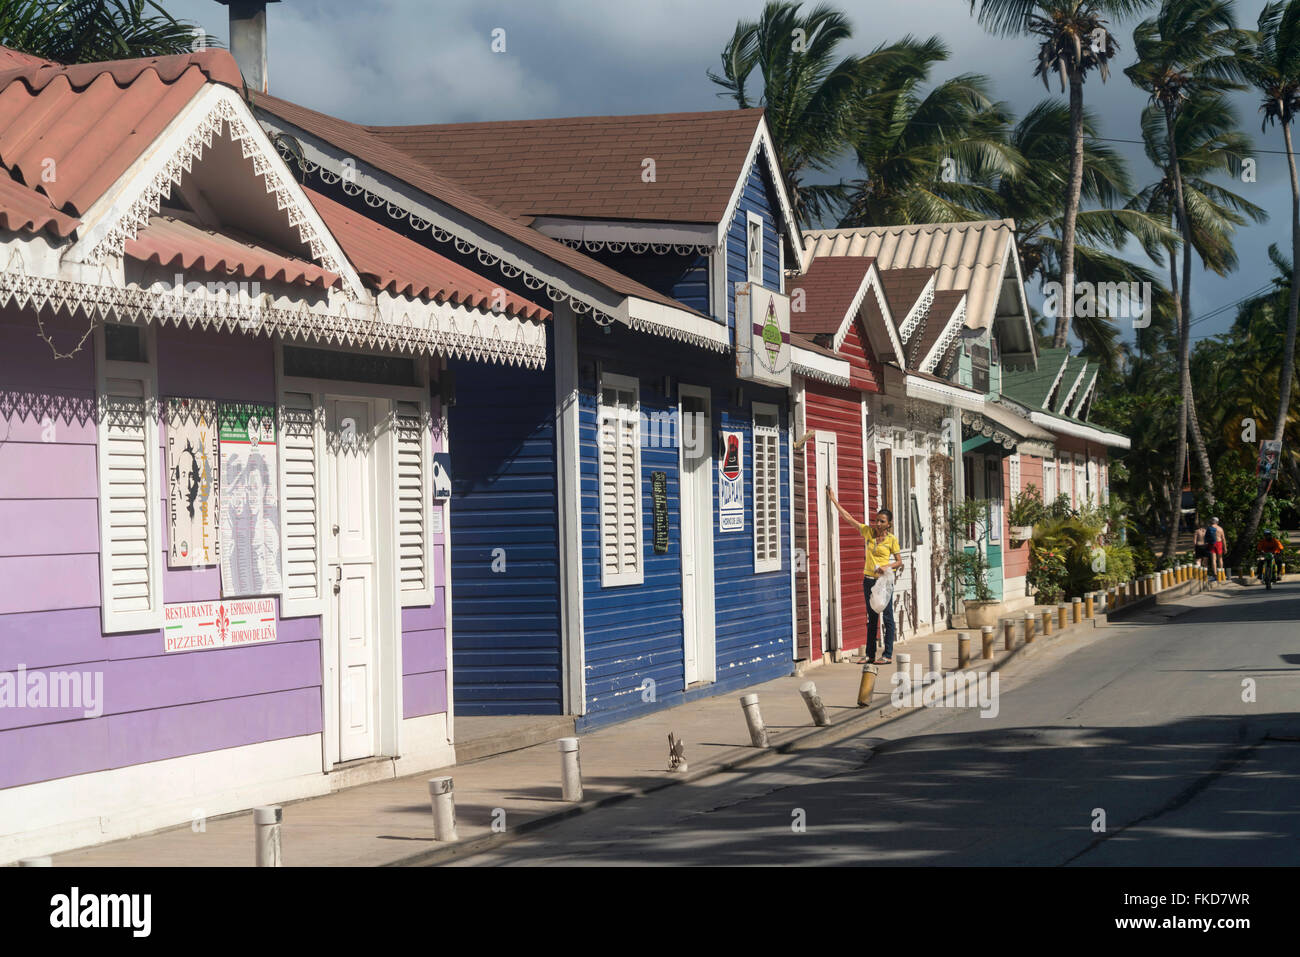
[{"x": 155, "y": 706}]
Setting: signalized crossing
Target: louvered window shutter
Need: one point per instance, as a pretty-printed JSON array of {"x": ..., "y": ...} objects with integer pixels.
[
  {"x": 619, "y": 458},
  {"x": 129, "y": 462},
  {"x": 412, "y": 501},
  {"x": 767, "y": 493},
  {"x": 301, "y": 504}
]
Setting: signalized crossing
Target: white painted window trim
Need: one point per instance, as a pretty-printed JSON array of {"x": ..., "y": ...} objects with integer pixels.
[
  {"x": 146, "y": 373},
  {"x": 631, "y": 384},
  {"x": 773, "y": 563},
  {"x": 753, "y": 219}
]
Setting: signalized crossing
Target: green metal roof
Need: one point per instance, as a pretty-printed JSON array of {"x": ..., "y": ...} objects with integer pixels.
[
  {"x": 1030, "y": 387},
  {"x": 1075, "y": 370}
]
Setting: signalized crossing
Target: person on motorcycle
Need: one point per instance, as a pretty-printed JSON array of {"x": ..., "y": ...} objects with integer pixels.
[{"x": 1270, "y": 551}]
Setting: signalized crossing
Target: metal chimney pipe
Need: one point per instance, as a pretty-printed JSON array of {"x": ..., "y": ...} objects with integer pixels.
[{"x": 248, "y": 39}]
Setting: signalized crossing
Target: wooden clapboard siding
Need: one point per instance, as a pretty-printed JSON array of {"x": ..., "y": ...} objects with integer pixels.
[
  {"x": 684, "y": 277},
  {"x": 506, "y": 645},
  {"x": 802, "y": 547},
  {"x": 756, "y": 197}
]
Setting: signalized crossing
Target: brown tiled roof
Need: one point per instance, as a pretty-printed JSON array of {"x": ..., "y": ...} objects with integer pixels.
[
  {"x": 387, "y": 260},
  {"x": 180, "y": 245},
  {"x": 94, "y": 120},
  {"x": 807, "y": 342},
  {"x": 902, "y": 287},
  {"x": 11, "y": 59},
  {"x": 592, "y": 166},
  {"x": 928, "y": 332},
  {"x": 829, "y": 287},
  {"x": 370, "y": 149},
  {"x": 25, "y": 210}
]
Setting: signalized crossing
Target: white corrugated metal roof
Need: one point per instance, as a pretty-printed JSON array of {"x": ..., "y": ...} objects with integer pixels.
[{"x": 969, "y": 256}]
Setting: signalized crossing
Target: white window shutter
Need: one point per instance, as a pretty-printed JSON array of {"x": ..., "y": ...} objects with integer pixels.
[
  {"x": 619, "y": 463},
  {"x": 767, "y": 491},
  {"x": 301, "y": 503},
  {"x": 130, "y": 549},
  {"x": 412, "y": 502}
]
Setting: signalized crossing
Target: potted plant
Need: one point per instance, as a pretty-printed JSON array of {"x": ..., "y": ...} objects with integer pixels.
[
  {"x": 1027, "y": 510},
  {"x": 970, "y": 566}
]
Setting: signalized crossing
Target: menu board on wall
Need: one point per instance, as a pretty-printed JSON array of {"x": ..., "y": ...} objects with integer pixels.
[
  {"x": 193, "y": 482},
  {"x": 250, "y": 508},
  {"x": 659, "y": 498}
]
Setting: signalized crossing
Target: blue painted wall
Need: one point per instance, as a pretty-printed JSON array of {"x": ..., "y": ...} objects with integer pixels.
[
  {"x": 506, "y": 624},
  {"x": 757, "y": 197},
  {"x": 685, "y": 278},
  {"x": 634, "y": 632}
]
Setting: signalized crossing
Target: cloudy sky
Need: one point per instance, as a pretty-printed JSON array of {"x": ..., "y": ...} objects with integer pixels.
[{"x": 418, "y": 61}]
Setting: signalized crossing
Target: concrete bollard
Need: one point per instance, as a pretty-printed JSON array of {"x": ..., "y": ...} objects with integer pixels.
[
  {"x": 1030, "y": 627},
  {"x": 1062, "y": 616},
  {"x": 36, "y": 862},
  {"x": 986, "y": 641},
  {"x": 936, "y": 657},
  {"x": 1008, "y": 633},
  {"x": 1076, "y": 610},
  {"x": 1047, "y": 621},
  {"x": 963, "y": 650},
  {"x": 867, "y": 684},
  {"x": 1088, "y": 606},
  {"x": 903, "y": 666},
  {"x": 442, "y": 801},
  {"x": 571, "y": 766},
  {"x": 753, "y": 718},
  {"x": 266, "y": 835},
  {"x": 808, "y": 690}
]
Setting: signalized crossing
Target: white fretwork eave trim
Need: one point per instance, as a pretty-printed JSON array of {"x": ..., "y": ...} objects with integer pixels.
[
  {"x": 918, "y": 388},
  {"x": 646, "y": 316},
  {"x": 415, "y": 327},
  {"x": 956, "y": 322},
  {"x": 982, "y": 426},
  {"x": 225, "y": 112},
  {"x": 920, "y": 309},
  {"x": 819, "y": 373},
  {"x": 639, "y": 249}
]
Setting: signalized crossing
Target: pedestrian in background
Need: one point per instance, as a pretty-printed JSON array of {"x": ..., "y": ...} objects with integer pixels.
[{"x": 883, "y": 557}]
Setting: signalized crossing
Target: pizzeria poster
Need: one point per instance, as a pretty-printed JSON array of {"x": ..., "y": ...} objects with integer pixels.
[
  {"x": 250, "y": 507},
  {"x": 731, "y": 482},
  {"x": 199, "y": 625},
  {"x": 193, "y": 483}
]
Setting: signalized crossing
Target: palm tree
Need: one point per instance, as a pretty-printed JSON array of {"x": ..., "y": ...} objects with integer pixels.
[
  {"x": 809, "y": 92},
  {"x": 1185, "y": 51},
  {"x": 911, "y": 147},
  {"x": 85, "y": 31},
  {"x": 1073, "y": 41},
  {"x": 1208, "y": 141},
  {"x": 1033, "y": 200},
  {"x": 1270, "y": 61}
]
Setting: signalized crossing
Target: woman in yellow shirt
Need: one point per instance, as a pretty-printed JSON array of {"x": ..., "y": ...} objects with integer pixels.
[{"x": 883, "y": 557}]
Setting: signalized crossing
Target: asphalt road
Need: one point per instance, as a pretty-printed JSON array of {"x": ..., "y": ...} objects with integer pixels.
[{"x": 1141, "y": 729}]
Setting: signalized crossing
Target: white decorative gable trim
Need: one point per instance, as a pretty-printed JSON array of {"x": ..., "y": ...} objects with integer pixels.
[
  {"x": 1065, "y": 403},
  {"x": 1083, "y": 398},
  {"x": 956, "y": 322},
  {"x": 126, "y": 207},
  {"x": 920, "y": 309},
  {"x": 871, "y": 280},
  {"x": 763, "y": 141}
]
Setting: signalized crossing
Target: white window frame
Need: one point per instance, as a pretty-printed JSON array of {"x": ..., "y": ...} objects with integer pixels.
[
  {"x": 753, "y": 219},
  {"x": 146, "y": 373},
  {"x": 772, "y": 563},
  {"x": 1049, "y": 481},
  {"x": 993, "y": 466},
  {"x": 631, "y": 384}
]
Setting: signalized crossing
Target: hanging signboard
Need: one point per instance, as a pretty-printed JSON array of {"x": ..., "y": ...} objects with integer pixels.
[
  {"x": 250, "y": 511},
  {"x": 202, "y": 625},
  {"x": 731, "y": 482},
  {"x": 192, "y": 483},
  {"x": 659, "y": 498},
  {"x": 762, "y": 335}
]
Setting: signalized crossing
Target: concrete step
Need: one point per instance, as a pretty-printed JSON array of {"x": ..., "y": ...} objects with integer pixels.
[{"x": 481, "y": 737}]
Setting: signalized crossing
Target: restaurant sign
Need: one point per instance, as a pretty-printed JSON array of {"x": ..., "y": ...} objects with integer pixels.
[{"x": 203, "y": 625}]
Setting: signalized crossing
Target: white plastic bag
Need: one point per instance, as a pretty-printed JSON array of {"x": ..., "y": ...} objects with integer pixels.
[{"x": 882, "y": 592}]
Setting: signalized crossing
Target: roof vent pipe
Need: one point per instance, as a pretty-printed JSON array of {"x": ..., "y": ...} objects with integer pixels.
[{"x": 248, "y": 39}]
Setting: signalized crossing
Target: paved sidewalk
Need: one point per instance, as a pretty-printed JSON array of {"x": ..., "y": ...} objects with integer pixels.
[{"x": 390, "y": 822}]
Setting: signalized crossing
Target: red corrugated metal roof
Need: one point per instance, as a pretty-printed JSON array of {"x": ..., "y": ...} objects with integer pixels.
[
  {"x": 389, "y": 261},
  {"x": 829, "y": 287},
  {"x": 93, "y": 120},
  {"x": 357, "y": 142},
  {"x": 591, "y": 166},
  {"x": 23, "y": 210},
  {"x": 179, "y": 245}
]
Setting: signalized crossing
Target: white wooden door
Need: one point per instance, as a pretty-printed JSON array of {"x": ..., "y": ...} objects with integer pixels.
[
  {"x": 828, "y": 542},
  {"x": 696, "y": 534},
  {"x": 351, "y": 554}
]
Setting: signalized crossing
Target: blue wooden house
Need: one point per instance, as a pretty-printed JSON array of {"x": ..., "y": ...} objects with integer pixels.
[{"x": 620, "y": 519}]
